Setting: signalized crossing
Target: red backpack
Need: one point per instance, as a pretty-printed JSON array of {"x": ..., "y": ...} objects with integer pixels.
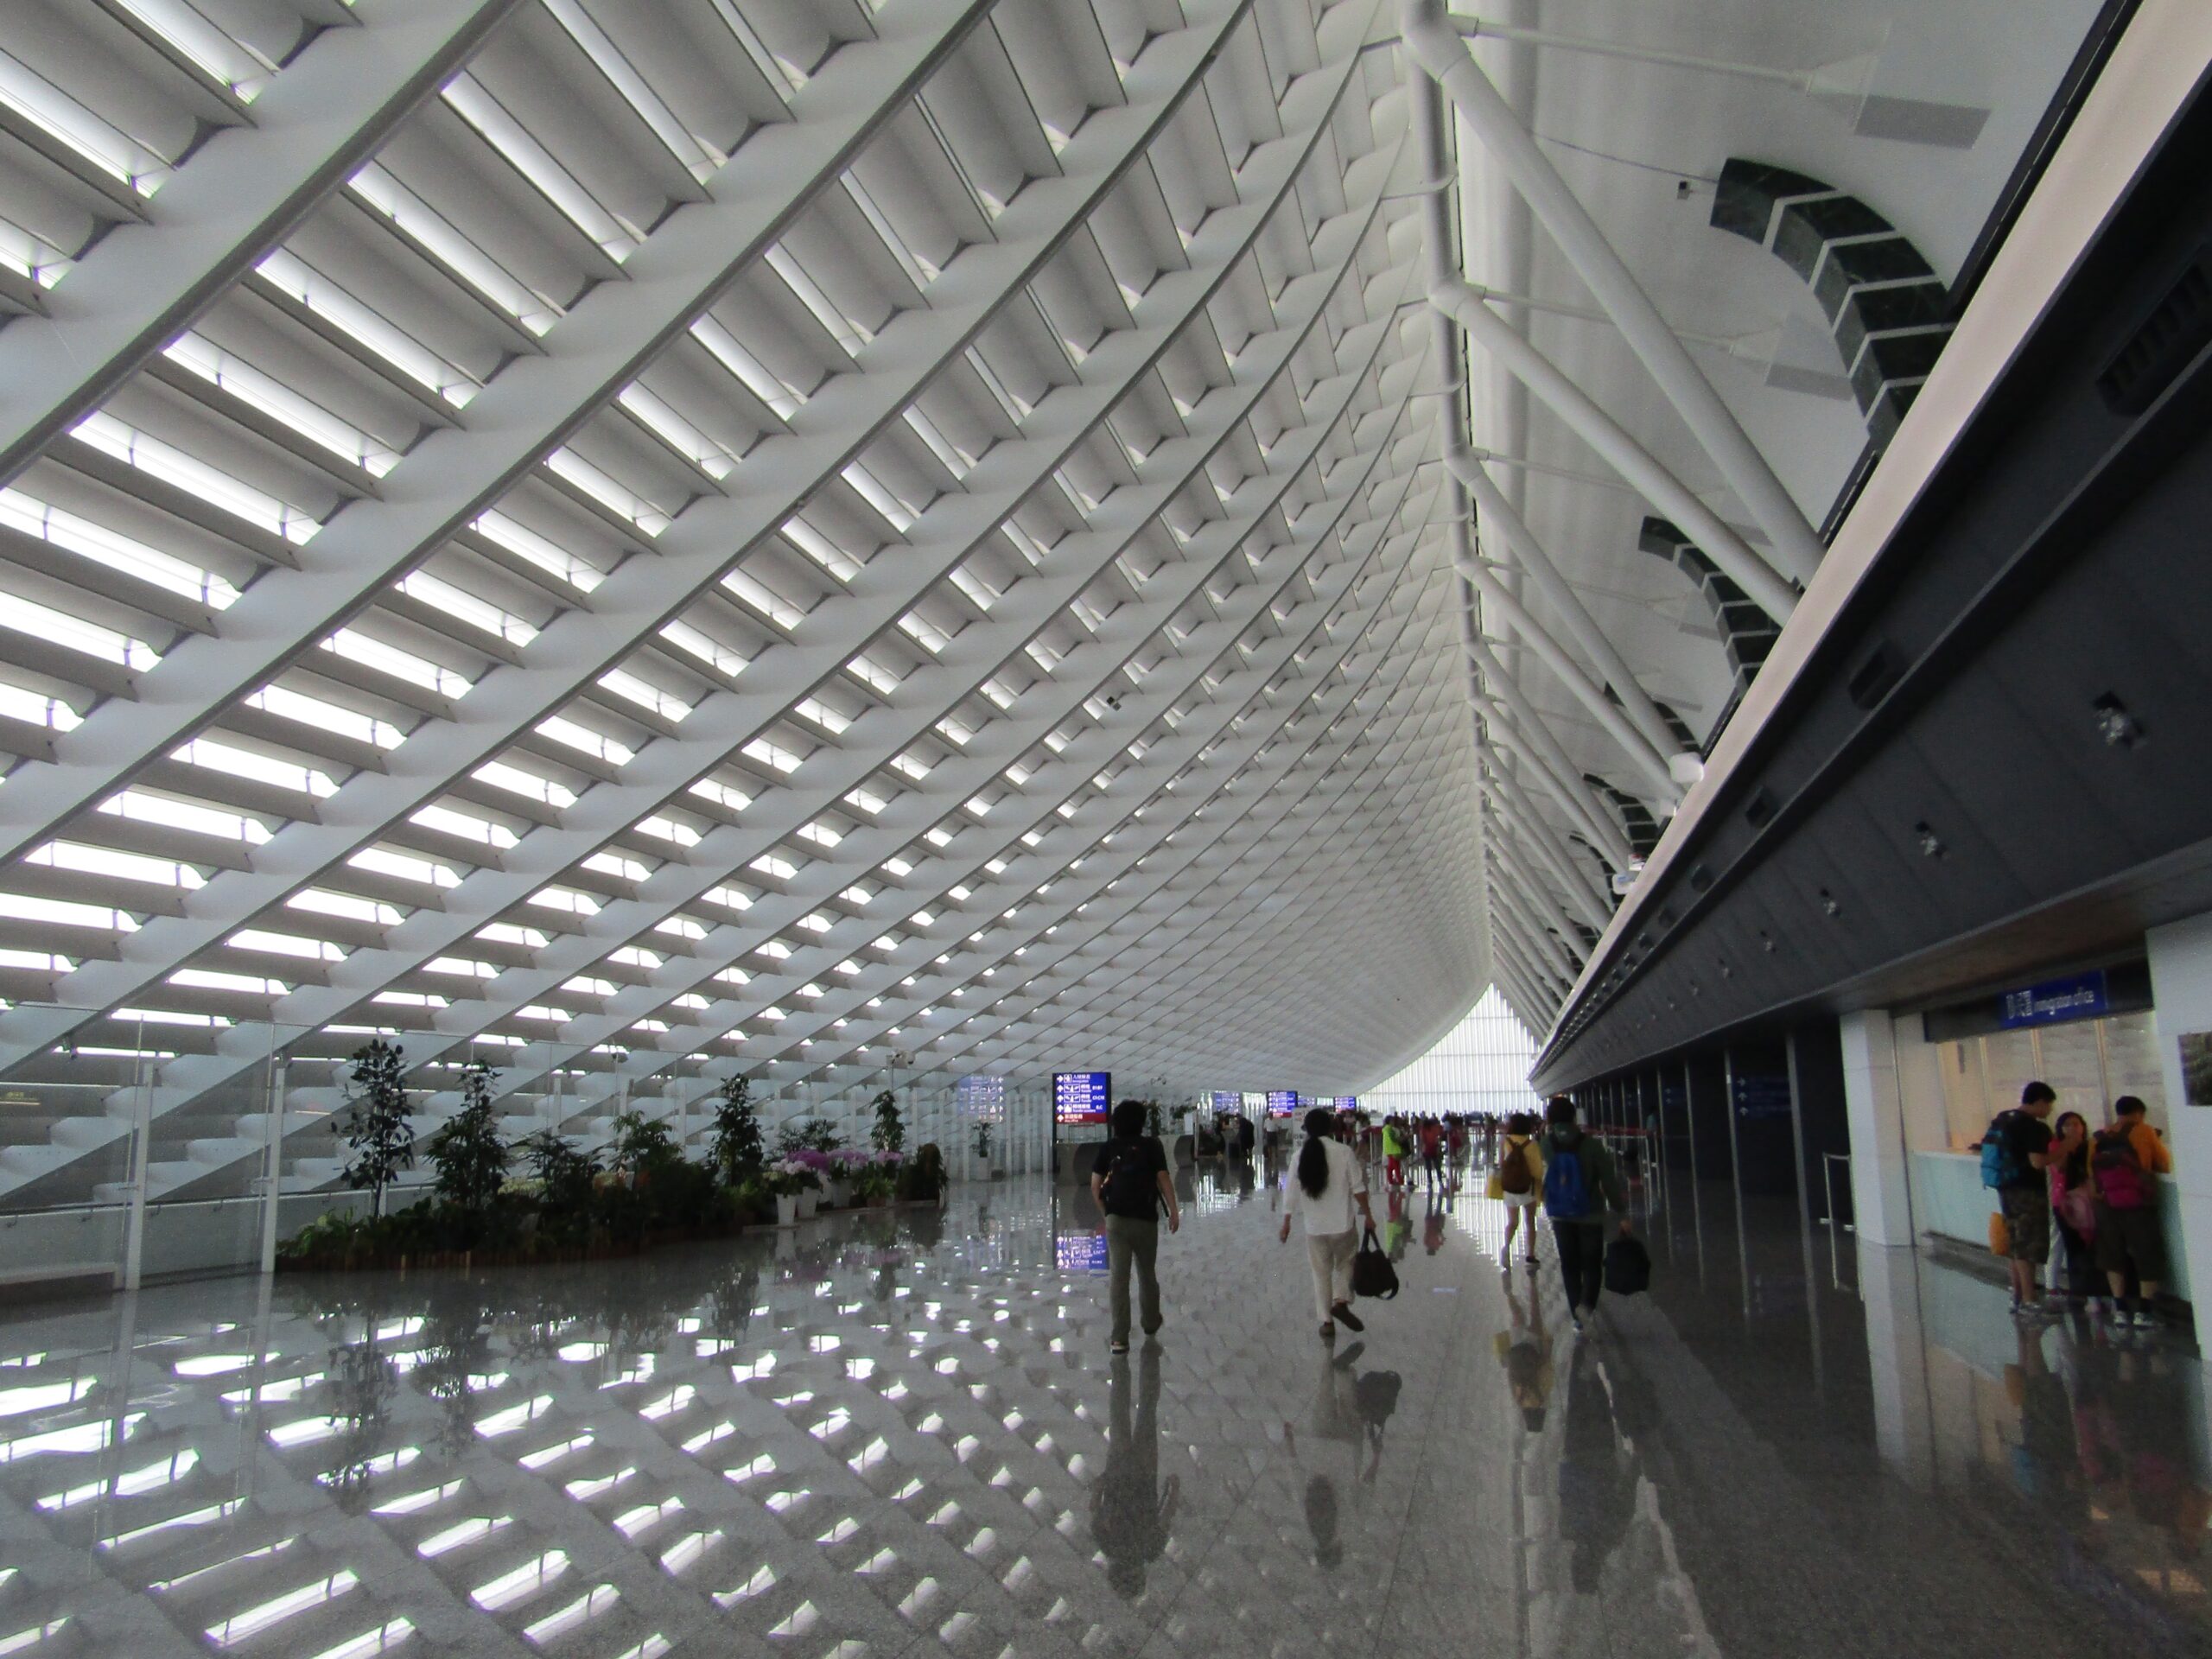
[{"x": 2117, "y": 1168}]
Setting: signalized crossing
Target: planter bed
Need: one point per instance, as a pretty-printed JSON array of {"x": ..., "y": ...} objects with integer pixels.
[{"x": 597, "y": 1249}]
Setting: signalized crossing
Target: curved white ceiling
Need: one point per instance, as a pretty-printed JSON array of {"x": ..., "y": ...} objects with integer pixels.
[{"x": 646, "y": 540}]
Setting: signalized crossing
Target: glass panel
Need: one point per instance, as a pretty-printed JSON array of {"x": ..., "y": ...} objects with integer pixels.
[
  {"x": 2131, "y": 1062},
  {"x": 1966, "y": 1109},
  {"x": 2009, "y": 1064},
  {"x": 2071, "y": 1065}
]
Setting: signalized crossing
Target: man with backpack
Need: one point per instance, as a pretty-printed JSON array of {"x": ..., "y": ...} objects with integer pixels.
[
  {"x": 2015, "y": 1150},
  {"x": 1131, "y": 1183},
  {"x": 1582, "y": 1187},
  {"x": 2125, "y": 1163}
]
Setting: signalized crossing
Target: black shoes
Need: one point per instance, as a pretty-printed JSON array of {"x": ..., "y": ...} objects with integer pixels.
[{"x": 1341, "y": 1312}]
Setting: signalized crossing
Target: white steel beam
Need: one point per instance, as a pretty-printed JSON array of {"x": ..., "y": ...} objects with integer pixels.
[
  {"x": 1441, "y": 52},
  {"x": 323, "y": 114}
]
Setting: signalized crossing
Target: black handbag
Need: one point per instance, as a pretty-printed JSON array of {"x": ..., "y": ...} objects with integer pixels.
[
  {"x": 1628, "y": 1267},
  {"x": 1371, "y": 1271}
]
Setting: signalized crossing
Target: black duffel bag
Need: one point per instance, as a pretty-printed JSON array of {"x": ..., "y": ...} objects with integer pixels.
[
  {"x": 1371, "y": 1271},
  {"x": 1628, "y": 1267}
]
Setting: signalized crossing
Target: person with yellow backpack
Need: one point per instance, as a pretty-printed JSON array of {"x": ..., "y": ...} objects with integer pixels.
[{"x": 1519, "y": 1180}]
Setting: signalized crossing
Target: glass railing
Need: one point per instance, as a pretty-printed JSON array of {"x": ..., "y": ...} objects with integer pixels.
[{"x": 133, "y": 1147}]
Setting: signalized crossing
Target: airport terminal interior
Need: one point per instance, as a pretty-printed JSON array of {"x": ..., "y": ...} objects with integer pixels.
[{"x": 712, "y": 709}]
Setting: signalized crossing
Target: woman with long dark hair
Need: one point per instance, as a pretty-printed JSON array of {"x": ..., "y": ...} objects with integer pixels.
[
  {"x": 2073, "y": 1208},
  {"x": 1326, "y": 1183}
]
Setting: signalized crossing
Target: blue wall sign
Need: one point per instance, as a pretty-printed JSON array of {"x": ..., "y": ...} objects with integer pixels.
[
  {"x": 1282, "y": 1102},
  {"x": 2078, "y": 996},
  {"x": 1757, "y": 1096}
]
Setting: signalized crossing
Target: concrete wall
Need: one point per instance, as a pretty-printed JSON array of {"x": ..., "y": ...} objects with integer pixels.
[{"x": 2180, "y": 985}]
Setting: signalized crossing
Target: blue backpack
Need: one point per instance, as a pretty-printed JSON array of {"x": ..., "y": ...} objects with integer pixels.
[
  {"x": 1566, "y": 1192},
  {"x": 2000, "y": 1162}
]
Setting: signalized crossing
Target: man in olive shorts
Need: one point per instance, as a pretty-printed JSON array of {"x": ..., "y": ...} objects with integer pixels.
[{"x": 2024, "y": 1198}]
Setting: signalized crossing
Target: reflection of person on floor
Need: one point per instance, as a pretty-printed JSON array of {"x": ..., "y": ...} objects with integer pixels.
[
  {"x": 1397, "y": 1230},
  {"x": 1432, "y": 1223},
  {"x": 2044, "y": 1464},
  {"x": 1596, "y": 1484},
  {"x": 1524, "y": 1349},
  {"x": 1321, "y": 1521},
  {"x": 1339, "y": 1416},
  {"x": 1130, "y": 1511}
]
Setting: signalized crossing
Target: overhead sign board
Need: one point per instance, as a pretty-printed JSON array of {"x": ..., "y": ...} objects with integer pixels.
[
  {"x": 2078, "y": 996},
  {"x": 1282, "y": 1102}
]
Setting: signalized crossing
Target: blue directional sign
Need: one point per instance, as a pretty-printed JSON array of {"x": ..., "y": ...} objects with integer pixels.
[
  {"x": 1282, "y": 1102},
  {"x": 1082, "y": 1096}
]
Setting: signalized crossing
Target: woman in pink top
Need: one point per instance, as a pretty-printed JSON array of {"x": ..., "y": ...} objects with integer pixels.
[{"x": 2073, "y": 1208}]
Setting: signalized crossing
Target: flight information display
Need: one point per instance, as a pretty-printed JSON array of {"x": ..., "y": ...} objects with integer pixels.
[
  {"x": 1282, "y": 1102},
  {"x": 1082, "y": 1096},
  {"x": 1347, "y": 1102}
]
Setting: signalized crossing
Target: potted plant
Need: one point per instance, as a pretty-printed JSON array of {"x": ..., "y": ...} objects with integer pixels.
[
  {"x": 875, "y": 1177},
  {"x": 983, "y": 1149},
  {"x": 790, "y": 1182},
  {"x": 805, "y": 1169},
  {"x": 853, "y": 1165}
]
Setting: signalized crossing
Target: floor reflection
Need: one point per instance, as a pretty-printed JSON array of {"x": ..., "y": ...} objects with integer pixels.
[
  {"x": 901, "y": 1433},
  {"x": 1132, "y": 1510}
]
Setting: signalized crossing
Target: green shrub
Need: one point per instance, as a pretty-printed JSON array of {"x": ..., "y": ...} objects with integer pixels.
[
  {"x": 808, "y": 1134},
  {"x": 470, "y": 1157},
  {"x": 921, "y": 1178}
]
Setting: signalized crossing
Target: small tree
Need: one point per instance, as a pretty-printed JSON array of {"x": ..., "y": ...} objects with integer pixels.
[
  {"x": 641, "y": 1143},
  {"x": 1155, "y": 1121},
  {"x": 982, "y": 1141},
  {"x": 377, "y": 1126},
  {"x": 563, "y": 1174},
  {"x": 470, "y": 1158},
  {"x": 739, "y": 1153},
  {"x": 889, "y": 1132}
]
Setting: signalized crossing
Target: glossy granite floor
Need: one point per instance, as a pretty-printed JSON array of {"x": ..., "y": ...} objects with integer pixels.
[{"x": 903, "y": 1436}]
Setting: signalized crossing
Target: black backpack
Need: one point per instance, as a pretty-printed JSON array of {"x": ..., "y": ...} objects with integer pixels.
[{"x": 1127, "y": 1174}]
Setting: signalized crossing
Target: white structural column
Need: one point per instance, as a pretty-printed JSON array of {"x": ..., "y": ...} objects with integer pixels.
[
  {"x": 325, "y": 113},
  {"x": 2180, "y": 985},
  {"x": 529, "y": 408},
  {"x": 1764, "y": 585},
  {"x": 1547, "y": 940},
  {"x": 1497, "y": 513},
  {"x": 1540, "y": 906},
  {"x": 1606, "y": 839},
  {"x": 1528, "y": 721},
  {"x": 1881, "y": 1197},
  {"x": 1515, "y": 807},
  {"x": 1650, "y": 760},
  {"x": 1444, "y": 55}
]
